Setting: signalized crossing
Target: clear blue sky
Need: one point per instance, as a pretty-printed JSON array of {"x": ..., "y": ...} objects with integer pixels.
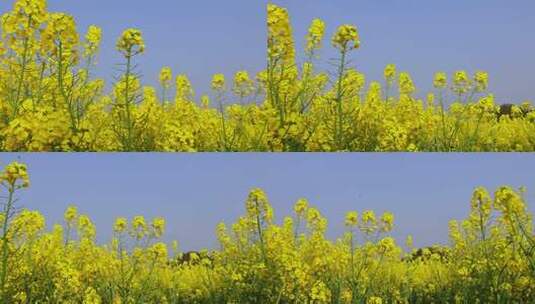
[
  {"x": 198, "y": 38},
  {"x": 423, "y": 37},
  {"x": 204, "y": 37},
  {"x": 194, "y": 192}
]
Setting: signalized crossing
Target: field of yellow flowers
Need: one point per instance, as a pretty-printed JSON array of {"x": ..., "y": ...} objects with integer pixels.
[
  {"x": 490, "y": 257},
  {"x": 50, "y": 101}
]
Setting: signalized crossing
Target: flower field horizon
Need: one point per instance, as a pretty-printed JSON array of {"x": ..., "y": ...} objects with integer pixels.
[
  {"x": 489, "y": 257},
  {"x": 50, "y": 101}
]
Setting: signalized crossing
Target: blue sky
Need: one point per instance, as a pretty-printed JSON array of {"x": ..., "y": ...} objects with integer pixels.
[
  {"x": 198, "y": 38},
  {"x": 204, "y": 37},
  {"x": 423, "y": 37},
  {"x": 195, "y": 192}
]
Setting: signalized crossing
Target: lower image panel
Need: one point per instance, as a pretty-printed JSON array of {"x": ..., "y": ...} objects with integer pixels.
[{"x": 267, "y": 228}]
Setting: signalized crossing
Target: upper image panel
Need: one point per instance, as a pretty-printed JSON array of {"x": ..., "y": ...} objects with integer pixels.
[{"x": 334, "y": 76}]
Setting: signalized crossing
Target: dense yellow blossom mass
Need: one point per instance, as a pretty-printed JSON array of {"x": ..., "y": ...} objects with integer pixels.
[
  {"x": 50, "y": 100},
  {"x": 489, "y": 259}
]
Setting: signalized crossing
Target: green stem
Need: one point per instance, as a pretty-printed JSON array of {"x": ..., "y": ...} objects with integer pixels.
[
  {"x": 338, "y": 136},
  {"x": 22, "y": 72},
  {"x": 128, "y": 121},
  {"x": 5, "y": 247},
  {"x": 260, "y": 233},
  {"x": 223, "y": 125}
]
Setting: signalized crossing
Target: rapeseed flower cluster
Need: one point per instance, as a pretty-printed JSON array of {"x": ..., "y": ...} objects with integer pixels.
[
  {"x": 346, "y": 38},
  {"x": 261, "y": 260},
  {"x": 315, "y": 35},
  {"x": 51, "y": 101}
]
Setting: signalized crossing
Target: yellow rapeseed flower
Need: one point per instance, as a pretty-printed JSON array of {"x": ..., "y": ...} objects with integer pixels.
[
  {"x": 346, "y": 38},
  {"x": 315, "y": 35},
  {"x": 131, "y": 43}
]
